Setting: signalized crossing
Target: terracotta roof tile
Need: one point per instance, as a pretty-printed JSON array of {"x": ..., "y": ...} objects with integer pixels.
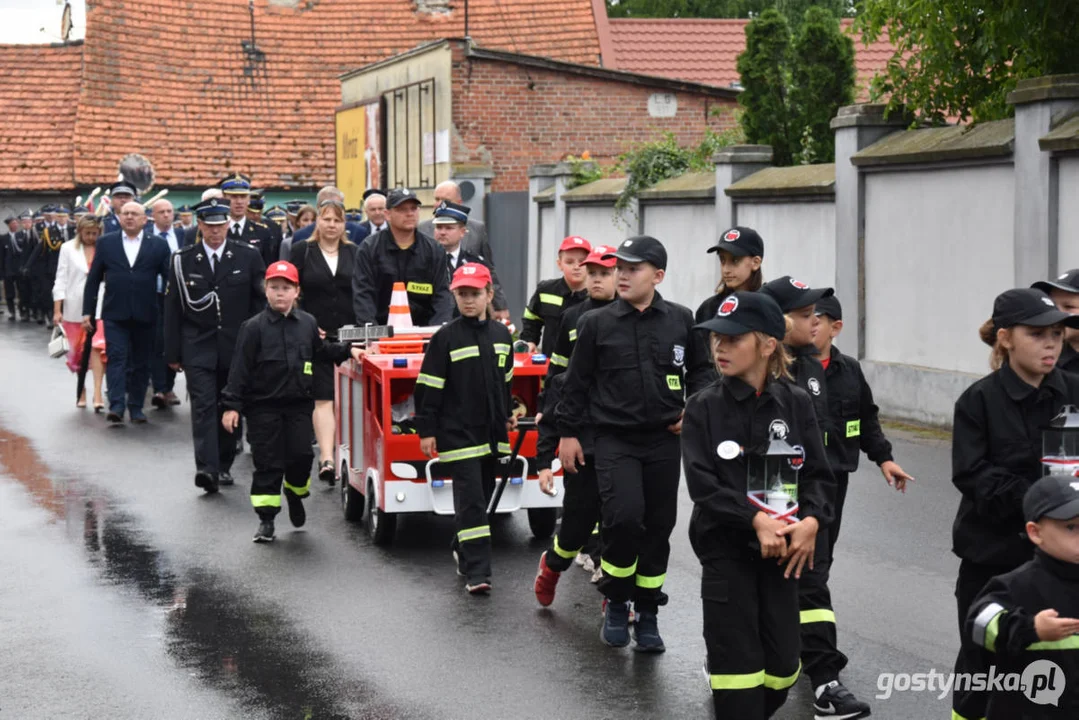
[
  {"x": 37, "y": 122},
  {"x": 706, "y": 51},
  {"x": 174, "y": 80}
]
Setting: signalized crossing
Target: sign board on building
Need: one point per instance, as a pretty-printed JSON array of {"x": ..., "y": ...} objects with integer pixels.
[
  {"x": 662, "y": 105},
  {"x": 351, "y": 169}
]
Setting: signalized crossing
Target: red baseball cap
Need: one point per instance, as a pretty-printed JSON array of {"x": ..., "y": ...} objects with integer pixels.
[
  {"x": 575, "y": 242},
  {"x": 473, "y": 275},
  {"x": 283, "y": 270},
  {"x": 596, "y": 257}
]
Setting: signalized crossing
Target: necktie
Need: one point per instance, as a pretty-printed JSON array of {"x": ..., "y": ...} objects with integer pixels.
[
  {"x": 235, "y": 231},
  {"x": 452, "y": 264},
  {"x": 213, "y": 263}
]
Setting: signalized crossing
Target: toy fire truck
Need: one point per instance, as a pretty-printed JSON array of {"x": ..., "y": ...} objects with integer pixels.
[{"x": 384, "y": 474}]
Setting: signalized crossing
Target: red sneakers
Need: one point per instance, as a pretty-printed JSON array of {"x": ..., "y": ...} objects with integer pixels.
[{"x": 546, "y": 582}]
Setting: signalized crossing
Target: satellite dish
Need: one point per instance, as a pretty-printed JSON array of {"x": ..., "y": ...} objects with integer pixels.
[
  {"x": 138, "y": 171},
  {"x": 65, "y": 23}
]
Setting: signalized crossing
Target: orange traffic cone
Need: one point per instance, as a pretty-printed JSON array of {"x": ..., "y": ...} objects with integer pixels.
[{"x": 400, "y": 316}]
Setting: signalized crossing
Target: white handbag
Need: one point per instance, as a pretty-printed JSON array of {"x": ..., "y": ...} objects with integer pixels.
[{"x": 58, "y": 344}]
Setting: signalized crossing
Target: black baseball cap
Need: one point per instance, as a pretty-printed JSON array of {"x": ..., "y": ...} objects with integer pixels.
[
  {"x": 1054, "y": 496},
  {"x": 641, "y": 248},
  {"x": 1068, "y": 282},
  {"x": 400, "y": 195},
  {"x": 1031, "y": 307},
  {"x": 740, "y": 241},
  {"x": 373, "y": 191},
  {"x": 829, "y": 305},
  {"x": 791, "y": 294},
  {"x": 743, "y": 312}
]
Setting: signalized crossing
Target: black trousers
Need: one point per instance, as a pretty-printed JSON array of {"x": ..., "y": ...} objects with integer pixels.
[
  {"x": 128, "y": 346},
  {"x": 473, "y": 539},
  {"x": 968, "y": 704},
  {"x": 821, "y": 658},
  {"x": 580, "y": 513},
  {"x": 10, "y": 291},
  {"x": 215, "y": 447},
  {"x": 751, "y": 635},
  {"x": 41, "y": 290},
  {"x": 22, "y": 284},
  {"x": 162, "y": 376},
  {"x": 280, "y": 450},
  {"x": 637, "y": 475}
]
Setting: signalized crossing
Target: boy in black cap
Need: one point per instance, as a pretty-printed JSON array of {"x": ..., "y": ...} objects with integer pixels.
[
  {"x": 635, "y": 362},
  {"x": 552, "y": 298},
  {"x": 850, "y": 404},
  {"x": 750, "y": 600},
  {"x": 1027, "y": 621},
  {"x": 821, "y": 658},
  {"x": 1064, "y": 291}
]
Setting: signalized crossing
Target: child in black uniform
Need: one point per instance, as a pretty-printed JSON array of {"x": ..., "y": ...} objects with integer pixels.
[
  {"x": 996, "y": 448},
  {"x": 1064, "y": 291},
  {"x": 463, "y": 413},
  {"x": 750, "y": 600},
  {"x": 271, "y": 383},
  {"x": 1032, "y": 613}
]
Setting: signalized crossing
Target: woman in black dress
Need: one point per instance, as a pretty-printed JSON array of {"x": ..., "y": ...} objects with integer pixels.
[{"x": 326, "y": 261}]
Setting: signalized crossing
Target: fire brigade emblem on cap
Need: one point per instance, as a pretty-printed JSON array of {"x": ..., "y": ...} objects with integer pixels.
[
  {"x": 731, "y": 235},
  {"x": 799, "y": 284},
  {"x": 779, "y": 428},
  {"x": 1048, "y": 302},
  {"x": 729, "y": 305}
]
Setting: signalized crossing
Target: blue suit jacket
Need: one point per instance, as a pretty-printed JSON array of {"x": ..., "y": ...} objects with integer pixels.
[{"x": 130, "y": 292}]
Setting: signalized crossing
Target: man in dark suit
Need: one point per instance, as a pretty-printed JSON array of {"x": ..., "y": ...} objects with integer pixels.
[
  {"x": 450, "y": 223},
  {"x": 21, "y": 245},
  {"x": 130, "y": 263},
  {"x": 8, "y": 271},
  {"x": 161, "y": 376},
  {"x": 120, "y": 194},
  {"x": 213, "y": 288},
  {"x": 237, "y": 190},
  {"x": 255, "y": 207},
  {"x": 374, "y": 207},
  {"x": 475, "y": 241}
]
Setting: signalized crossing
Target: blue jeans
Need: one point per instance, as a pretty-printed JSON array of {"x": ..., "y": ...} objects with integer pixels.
[{"x": 128, "y": 347}]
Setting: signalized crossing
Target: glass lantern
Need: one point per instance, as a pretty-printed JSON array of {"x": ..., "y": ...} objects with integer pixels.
[
  {"x": 772, "y": 477},
  {"x": 1060, "y": 443}
]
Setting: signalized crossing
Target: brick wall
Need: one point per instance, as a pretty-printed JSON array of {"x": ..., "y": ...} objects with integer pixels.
[{"x": 511, "y": 117}]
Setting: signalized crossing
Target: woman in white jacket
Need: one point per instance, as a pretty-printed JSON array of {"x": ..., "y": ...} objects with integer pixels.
[{"x": 67, "y": 295}]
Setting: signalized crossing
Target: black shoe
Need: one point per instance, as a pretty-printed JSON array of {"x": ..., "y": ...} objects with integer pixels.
[
  {"x": 265, "y": 532},
  {"x": 137, "y": 416},
  {"x": 225, "y": 478},
  {"x": 206, "y": 481},
  {"x": 646, "y": 633},
  {"x": 116, "y": 418},
  {"x": 839, "y": 703},
  {"x": 296, "y": 514},
  {"x": 158, "y": 400},
  {"x": 326, "y": 473}
]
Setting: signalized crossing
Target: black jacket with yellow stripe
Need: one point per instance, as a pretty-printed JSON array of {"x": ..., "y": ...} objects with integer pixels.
[
  {"x": 543, "y": 315},
  {"x": 463, "y": 389}
]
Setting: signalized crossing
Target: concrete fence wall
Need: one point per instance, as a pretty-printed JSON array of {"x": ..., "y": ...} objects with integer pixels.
[{"x": 918, "y": 231}]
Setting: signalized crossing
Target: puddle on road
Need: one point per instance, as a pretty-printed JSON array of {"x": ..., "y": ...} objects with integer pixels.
[{"x": 231, "y": 642}]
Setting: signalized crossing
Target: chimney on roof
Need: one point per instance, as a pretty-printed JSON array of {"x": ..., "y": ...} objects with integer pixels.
[{"x": 434, "y": 7}]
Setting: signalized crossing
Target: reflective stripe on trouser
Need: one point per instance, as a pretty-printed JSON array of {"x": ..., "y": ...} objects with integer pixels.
[
  {"x": 957, "y": 716},
  {"x": 751, "y": 634},
  {"x": 580, "y": 511},
  {"x": 966, "y": 703},
  {"x": 466, "y": 453},
  {"x": 281, "y": 452},
  {"x": 300, "y": 488},
  {"x": 473, "y": 539},
  {"x": 821, "y": 658},
  {"x": 637, "y": 476}
]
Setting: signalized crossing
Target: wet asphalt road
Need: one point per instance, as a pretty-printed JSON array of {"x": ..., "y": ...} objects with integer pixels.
[{"x": 125, "y": 593}]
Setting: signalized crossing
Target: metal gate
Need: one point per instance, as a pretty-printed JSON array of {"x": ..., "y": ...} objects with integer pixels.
[{"x": 507, "y": 231}]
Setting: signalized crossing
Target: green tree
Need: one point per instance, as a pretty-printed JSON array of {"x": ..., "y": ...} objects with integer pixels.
[
  {"x": 961, "y": 58},
  {"x": 764, "y": 68},
  {"x": 822, "y": 81},
  {"x": 793, "y": 9}
]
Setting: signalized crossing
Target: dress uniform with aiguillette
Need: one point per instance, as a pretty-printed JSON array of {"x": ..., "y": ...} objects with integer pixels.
[
  {"x": 210, "y": 294},
  {"x": 252, "y": 232}
]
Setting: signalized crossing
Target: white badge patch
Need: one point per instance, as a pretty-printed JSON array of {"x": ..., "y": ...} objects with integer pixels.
[
  {"x": 1062, "y": 276},
  {"x": 728, "y": 450},
  {"x": 797, "y": 462},
  {"x": 1048, "y": 302},
  {"x": 814, "y": 386},
  {"x": 779, "y": 429},
  {"x": 678, "y": 356}
]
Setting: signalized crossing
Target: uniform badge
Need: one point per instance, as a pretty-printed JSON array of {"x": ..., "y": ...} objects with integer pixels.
[
  {"x": 198, "y": 258},
  {"x": 729, "y": 305},
  {"x": 228, "y": 254},
  {"x": 814, "y": 386},
  {"x": 678, "y": 356},
  {"x": 728, "y": 450},
  {"x": 797, "y": 462},
  {"x": 1048, "y": 302},
  {"x": 731, "y": 235},
  {"x": 779, "y": 429},
  {"x": 799, "y": 284}
]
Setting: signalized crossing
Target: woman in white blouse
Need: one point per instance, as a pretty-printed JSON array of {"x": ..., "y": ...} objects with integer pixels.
[{"x": 67, "y": 295}]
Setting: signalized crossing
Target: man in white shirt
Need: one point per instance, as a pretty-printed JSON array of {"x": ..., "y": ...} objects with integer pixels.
[{"x": 161, "y": 375}]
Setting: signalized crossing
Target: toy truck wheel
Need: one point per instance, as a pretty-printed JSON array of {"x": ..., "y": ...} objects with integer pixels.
[
  {"x": 542, "y": 521},
  {"x": 352, "y": 502},
  {"x": 380, "y": 526}
]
